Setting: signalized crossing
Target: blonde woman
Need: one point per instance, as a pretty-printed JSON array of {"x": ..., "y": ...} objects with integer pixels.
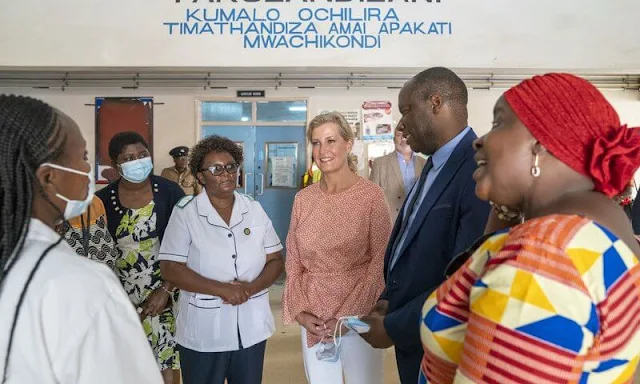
[{"x": 335, "y": 255}]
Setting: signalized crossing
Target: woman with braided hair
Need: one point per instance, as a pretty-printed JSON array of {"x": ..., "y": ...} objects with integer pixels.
[{"x": 63, "y": 318}]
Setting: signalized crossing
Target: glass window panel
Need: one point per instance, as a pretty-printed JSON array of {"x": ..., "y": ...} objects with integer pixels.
[
  {"x": 208, "y": 130},
  {"x": 282, "y": 163},
  {"x": 281, "y": 111},
  {"x": 226, "y": 111}
]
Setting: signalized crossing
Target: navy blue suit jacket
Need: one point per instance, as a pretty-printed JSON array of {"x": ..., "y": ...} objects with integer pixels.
[{"x": 448, "y": 221}]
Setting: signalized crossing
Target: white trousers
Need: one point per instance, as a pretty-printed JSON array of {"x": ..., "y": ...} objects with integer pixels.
[{"x": 358, "y": 361}]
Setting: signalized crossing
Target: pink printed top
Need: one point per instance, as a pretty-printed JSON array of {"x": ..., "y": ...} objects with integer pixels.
[{"x": 335, "y": 252}]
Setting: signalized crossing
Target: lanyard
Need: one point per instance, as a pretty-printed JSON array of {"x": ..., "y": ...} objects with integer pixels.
[{"x": 85, "y": 231}]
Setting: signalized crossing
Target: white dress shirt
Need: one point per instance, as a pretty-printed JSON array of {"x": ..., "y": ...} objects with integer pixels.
[
  {"x": 76, "y": 324},
  {"x": 197, "y": 235}
]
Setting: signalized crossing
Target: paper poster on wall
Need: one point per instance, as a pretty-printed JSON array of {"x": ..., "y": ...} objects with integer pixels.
[
  {"x": 282, "y": 161},
  {"x": 282, "y": 172},
  {"x": 377, "y": 120},
  {"x": 375, "y": 150},
  {"x": 352, "y": 117}
]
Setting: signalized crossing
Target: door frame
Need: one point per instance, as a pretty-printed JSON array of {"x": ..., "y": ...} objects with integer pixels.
[
  {"x": 252, "y": 121},
  {"x": 199, "y": 123}
]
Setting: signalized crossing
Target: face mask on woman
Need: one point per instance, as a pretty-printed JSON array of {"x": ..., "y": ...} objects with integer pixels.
[
  {"x": 75, "y": 208},
  {"x": 136, "y": 171}
]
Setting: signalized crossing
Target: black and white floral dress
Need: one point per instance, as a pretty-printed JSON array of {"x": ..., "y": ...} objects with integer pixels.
[{"x": 138, "y": 267}]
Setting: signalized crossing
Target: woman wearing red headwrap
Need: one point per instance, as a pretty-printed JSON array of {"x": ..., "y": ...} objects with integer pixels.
[{"x": 555, "y": 299}]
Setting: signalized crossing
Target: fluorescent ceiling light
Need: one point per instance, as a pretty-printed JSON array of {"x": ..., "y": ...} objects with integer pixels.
[
  {"x": 244, "y": 118},
  {"x": 298, "y": 109}
]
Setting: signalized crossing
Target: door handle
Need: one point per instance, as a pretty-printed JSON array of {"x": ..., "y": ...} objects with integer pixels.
[
  {"x": 245, "y": 182},
  {"x": 261, "y": 184}
]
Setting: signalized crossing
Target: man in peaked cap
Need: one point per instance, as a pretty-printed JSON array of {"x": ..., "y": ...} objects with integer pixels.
[{"x": 180, "y": 172}]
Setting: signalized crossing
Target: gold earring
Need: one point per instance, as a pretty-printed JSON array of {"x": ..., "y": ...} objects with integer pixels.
[{"x": 535, "y": 170}]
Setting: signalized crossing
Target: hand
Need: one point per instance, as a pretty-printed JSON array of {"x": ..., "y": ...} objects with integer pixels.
[
  {"x": 331, "y": 325},
  {"x": 377, "y": 336},
  {"x": 248, "y": 287},
  {"x": 155, "y": 303},
  {"x": 381, "y": 308},
  {"x": 314, "y": 325},
  {"x": 234, "y": 294}
]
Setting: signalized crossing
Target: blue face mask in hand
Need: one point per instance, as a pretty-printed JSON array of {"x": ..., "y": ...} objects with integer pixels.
[
  {"x": 327, "y": 352},
  {"x": 137, "y": 171},
  {"x": 330, "y": 352}
]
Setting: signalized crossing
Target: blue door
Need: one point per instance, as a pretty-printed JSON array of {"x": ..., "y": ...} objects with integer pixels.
[
  {"x": 274, "y": 148},
  {"x": 280, "y": 164}
]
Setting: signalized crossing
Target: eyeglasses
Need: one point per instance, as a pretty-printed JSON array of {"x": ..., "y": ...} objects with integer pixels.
[{"x": 218, "y": 170}]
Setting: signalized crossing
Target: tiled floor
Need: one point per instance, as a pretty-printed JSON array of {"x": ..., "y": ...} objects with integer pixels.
[{"x": 283, "y": 360}]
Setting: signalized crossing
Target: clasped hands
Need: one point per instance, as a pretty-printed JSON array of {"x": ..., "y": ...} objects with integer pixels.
[{"x": 237, "y": 292}]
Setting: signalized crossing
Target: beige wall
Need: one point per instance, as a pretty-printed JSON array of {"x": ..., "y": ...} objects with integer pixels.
[{"x": 174, "y": 122}]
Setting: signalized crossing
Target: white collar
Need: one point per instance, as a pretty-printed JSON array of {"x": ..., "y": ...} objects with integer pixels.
[
  {"x": 40, "y": 231},
  {"x": 206, "y": 209}
]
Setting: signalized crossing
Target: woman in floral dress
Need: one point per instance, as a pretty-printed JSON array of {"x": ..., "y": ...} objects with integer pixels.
[{"x": 138, "y": 206}]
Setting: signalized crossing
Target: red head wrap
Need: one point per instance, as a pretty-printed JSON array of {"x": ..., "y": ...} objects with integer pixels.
[{"x": 574, "y": 122}]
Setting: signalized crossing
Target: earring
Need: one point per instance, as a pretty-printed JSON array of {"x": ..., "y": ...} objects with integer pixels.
[{"x": 535, "y": 170}]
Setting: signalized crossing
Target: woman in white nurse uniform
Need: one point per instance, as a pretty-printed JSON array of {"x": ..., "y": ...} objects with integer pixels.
[{"x": 221, "y": 250}]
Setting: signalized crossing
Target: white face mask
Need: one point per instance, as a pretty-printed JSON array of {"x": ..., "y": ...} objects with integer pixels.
[{"x": 75, "y": 208}]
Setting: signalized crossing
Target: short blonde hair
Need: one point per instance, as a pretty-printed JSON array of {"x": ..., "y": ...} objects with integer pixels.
[{"x": 344, "y": 130}]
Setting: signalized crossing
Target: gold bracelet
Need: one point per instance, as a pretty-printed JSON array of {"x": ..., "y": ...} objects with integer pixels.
[{"x": 166, "y": 290}]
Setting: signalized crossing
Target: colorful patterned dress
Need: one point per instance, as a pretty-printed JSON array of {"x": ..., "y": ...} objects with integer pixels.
[
  {"x": 554, "y": 300},
  {"x": 139, "y": 270},
  {"x": 100, "y": 244}
]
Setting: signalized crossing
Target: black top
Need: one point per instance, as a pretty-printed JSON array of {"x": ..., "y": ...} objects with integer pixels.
[{"x": 166, "y": 195}]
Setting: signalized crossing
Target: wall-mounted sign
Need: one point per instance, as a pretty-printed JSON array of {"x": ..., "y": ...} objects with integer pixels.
[
  {"x": 250, "y": 93},
  {"x": 524, "y": 34},
  {"x": 377, "y": 120}
]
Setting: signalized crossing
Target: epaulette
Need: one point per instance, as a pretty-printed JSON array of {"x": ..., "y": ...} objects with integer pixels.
[{"x": 184, "y": 201}]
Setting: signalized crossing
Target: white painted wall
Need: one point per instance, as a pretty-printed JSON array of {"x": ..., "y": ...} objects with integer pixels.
[
  {"x": 175, "y": 121},
  {"x": 550, "y": 34}
]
